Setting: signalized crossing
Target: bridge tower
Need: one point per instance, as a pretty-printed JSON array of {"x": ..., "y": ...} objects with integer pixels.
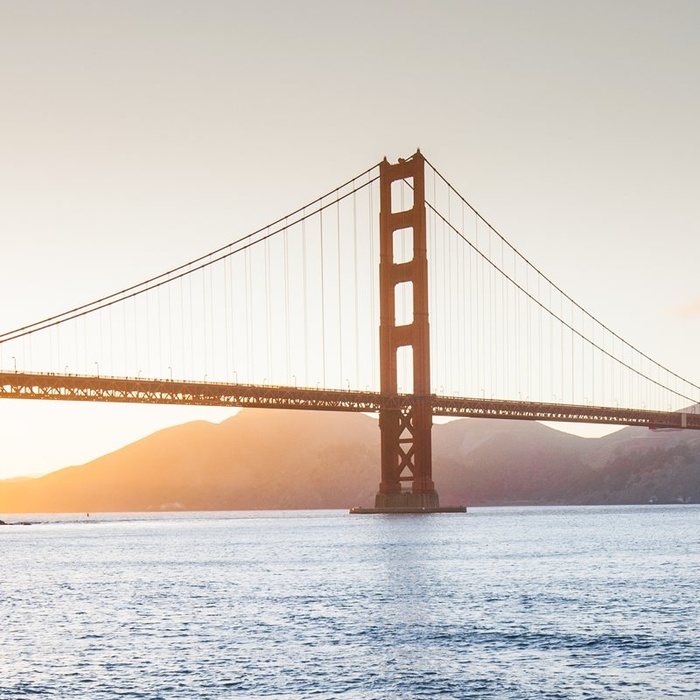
[{"x": 406, "y": 453}]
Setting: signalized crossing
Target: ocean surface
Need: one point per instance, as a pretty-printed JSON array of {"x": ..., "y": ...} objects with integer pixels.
[{"x": 558, "y": 602}]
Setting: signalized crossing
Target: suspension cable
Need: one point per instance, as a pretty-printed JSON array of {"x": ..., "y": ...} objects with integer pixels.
[
  {"x": 549, "y": 281},
  {"x": 564, "y": 323},
  {"x": 201, "y": 263}
]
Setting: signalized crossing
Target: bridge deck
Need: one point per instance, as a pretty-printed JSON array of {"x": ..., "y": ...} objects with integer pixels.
[{"x": 22, "y": 385}]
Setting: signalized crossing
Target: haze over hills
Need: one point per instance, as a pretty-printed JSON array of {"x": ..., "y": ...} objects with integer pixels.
[{"x": 267, "y": 459}]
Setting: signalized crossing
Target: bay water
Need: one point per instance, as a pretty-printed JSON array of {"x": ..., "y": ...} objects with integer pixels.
[{"x": 518, "y": 602}]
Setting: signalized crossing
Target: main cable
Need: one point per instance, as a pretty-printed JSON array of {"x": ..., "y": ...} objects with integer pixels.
[
  {"x": 168, "y": 277},
  {"x": 561, "y": 320},
  {"x": 549, "y": 281}
]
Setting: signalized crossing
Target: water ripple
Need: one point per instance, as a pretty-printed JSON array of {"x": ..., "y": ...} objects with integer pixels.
[{"x": 503, "y": 603}]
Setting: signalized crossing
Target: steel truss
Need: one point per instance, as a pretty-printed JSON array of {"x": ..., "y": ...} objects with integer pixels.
[{"x": 71, "y": 387}]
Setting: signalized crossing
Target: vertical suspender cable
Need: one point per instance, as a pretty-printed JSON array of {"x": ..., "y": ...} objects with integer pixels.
[
  {"x": 374, "y": 325},
  {"x": 182, "y": 326},
  {"x": 248, "y": 318},
  {"x": 112, "y": 341},
  {"x": 228, "y": 350},
  {"x": 340, "y": 288},
  {"x": 357, "y": 285},
  {"x": 147, "y": 363},
  {"x": 445, "y": 303},
  {"x": 304, "y": 299},
  {"x": 287, "y": 336},
  {"x": 191, "y": 326},
  {"x": 540, "y": 354},
  {"x": 212, "y": 309},
  {"x": 268, "y": 306},
  {"x": 561, "y": 336},
  {"x": 573, "y": 388},
  {"x": 505, "y": 377},
  {"x": 461, "y": 351},
  {"x": 448, "y": 300},
  {"x": 159, "y": 366},
  {"x": 478, "y": 303},
  {"x": 323, "y": 303},
  {"x": 85, "y": 347}
]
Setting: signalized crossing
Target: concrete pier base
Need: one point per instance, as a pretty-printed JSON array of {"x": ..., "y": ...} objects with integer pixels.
[
  {"x": 406, "y": 499},
  {"x": 406, "y": 502}
]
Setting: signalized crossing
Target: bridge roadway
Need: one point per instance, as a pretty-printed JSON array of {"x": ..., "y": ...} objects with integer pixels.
[{"x": 72, "y": 387}]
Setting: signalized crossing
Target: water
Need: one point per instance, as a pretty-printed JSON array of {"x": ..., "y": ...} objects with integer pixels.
[{"x": 576, "y": 602}]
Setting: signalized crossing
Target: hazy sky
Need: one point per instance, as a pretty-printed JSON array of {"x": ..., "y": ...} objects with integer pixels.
[{"x": 135, "y": 135}]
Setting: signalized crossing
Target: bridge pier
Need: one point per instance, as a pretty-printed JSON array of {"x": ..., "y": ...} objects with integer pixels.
[
  {"x": 406, "y": 450},
  {"x": 407, "y": 500}
]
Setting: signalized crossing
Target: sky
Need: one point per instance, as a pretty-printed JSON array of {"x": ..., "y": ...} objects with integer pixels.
[{"x": 138, "y": 135}]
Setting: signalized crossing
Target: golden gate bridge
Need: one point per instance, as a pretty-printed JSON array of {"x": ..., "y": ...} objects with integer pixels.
[{"x": 456, "y": 323}]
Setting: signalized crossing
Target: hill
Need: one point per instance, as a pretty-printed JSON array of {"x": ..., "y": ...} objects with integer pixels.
[
  {"x": 501, "y": 462},
  {"x": 264, "y": 459}
]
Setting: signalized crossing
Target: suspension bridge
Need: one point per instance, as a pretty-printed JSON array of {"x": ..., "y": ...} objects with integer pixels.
[{"x": 390, "y": 294}]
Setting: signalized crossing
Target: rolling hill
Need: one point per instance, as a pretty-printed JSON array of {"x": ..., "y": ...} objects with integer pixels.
[{"x": 265, "y": 459}]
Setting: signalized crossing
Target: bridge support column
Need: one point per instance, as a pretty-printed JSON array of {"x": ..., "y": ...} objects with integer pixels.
[{"x": 406, "y": 452}]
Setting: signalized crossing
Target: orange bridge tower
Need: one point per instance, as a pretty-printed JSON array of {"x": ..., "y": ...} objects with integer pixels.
[{"x": 406, "y": 453}]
